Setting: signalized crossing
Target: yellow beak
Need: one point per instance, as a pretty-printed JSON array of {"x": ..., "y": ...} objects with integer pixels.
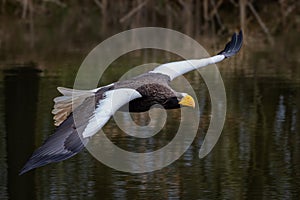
[{"x": 187, "y": 101}]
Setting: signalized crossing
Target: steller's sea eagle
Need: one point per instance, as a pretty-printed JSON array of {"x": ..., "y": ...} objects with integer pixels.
[{"x": 79, "y": 114}]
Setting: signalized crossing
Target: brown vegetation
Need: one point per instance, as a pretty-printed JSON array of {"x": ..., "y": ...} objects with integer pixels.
[
  {"x": 79, "y": 24},
  {"x": 189, "y": 16}
]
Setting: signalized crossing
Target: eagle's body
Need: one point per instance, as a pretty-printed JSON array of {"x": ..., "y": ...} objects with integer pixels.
[
  {"x": 79, "y": 114},
  {"x": 154, "y": 90}
]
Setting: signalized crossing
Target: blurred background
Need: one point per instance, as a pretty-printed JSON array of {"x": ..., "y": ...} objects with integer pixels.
[{"x": 43, "y": 42}]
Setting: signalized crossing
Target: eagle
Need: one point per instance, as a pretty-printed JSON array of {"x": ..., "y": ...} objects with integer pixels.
[{"x": 79, "y": 114}]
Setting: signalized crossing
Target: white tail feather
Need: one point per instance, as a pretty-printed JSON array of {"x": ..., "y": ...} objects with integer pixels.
[{"x": 65, "y": 104}]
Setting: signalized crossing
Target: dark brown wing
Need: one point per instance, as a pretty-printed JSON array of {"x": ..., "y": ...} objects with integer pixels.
[{"x": 67, "y": 140}]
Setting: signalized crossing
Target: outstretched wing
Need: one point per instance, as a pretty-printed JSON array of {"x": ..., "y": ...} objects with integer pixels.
[
  {"x": 175, "y": 69},
  {"x": 87, "y": 119}
]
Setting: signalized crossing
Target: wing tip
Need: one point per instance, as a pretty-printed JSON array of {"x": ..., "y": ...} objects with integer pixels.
[
  {"x": 25, "y": 169},
  {"x": 233, "y": 46},
  {"x": 37, "y": 161},
  {"x": 30, "y": 165}
]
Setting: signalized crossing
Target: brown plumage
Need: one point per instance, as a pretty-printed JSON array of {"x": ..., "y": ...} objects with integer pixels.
[{"x": 154, "y": 89}]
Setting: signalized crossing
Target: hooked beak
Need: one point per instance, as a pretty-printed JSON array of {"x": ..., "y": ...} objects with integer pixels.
[{"x": 187, "y": 101}]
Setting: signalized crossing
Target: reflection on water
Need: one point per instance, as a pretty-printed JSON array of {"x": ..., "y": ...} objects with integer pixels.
[
  {"x": 20, "y": 114},
  {"x": 257, "y": 155}
]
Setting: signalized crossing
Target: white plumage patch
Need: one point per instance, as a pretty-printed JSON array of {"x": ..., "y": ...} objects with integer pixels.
[
  {"x": 175, "y": 69},
  {"x": 113, "y": 100}
]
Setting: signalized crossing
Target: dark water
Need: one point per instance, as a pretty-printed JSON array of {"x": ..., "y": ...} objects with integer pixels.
[{"x": 256, "y": 157}]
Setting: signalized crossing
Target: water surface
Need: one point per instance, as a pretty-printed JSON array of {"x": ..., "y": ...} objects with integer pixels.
[{"x": 256, "y": 157}]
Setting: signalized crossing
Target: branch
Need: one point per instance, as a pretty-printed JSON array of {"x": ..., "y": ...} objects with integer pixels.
[
  {"x": 57, "y": 2},
  {"x": 261, "y": 23},
  {"x": 216, "y": 7},
  {"x": 99, "y": 4},
  {"x": 133, "y": 11}
]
